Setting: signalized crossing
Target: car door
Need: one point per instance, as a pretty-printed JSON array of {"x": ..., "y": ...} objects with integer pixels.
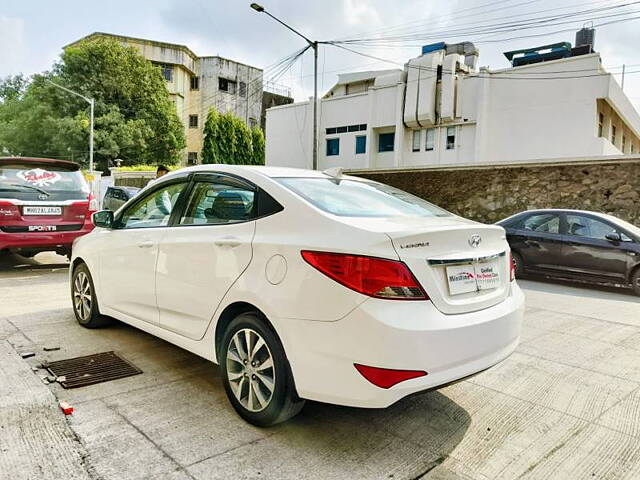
[
  {"x": 205, "y": 252},
  {"x": 130, "y": 252},
  {"x": 537, "y": 238},
  {"x": 588, "y": 252}
]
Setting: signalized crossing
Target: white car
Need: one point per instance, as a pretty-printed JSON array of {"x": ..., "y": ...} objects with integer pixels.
[{"x": 303, "y": 285}]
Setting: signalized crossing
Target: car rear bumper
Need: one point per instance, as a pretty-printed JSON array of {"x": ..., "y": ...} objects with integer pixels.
[
  {"x": 410, "y": 335},
  {"x": 42, "y": 240}
]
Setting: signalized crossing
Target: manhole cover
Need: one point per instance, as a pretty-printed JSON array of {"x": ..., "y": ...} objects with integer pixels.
[{"x": 91, "y": 369}]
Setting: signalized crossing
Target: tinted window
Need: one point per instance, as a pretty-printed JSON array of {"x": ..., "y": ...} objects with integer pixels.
[
  {"x": 582, "y": 226},
  {"x": 154, "y": 210},
  {"x": 544, "y": 222},
  {"x": 333, "y": 146},
  {"x": 361, "y": 144},
  {"x": 385, "y": 142},
  {"x": 218, "y": 203},
  {"x": 351, "y": 198},
  {"x": 24, "y": 178}
]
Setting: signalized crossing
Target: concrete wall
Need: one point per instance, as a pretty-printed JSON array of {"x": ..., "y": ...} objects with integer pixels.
[{"x": 492, "y": 192}]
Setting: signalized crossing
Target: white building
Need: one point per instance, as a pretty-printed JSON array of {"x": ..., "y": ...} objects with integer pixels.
[{"x": 440, "y": 109}]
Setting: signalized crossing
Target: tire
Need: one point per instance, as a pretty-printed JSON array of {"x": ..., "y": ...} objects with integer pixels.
[
  {"x": 635, "y": 281},
  {"x": 519, "y": 264},
  {"x": 261, "y": 396},
  {"x": 83, "y": 299}
]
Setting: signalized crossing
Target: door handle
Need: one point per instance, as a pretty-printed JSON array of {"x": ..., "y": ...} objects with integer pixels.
[
  {"x": 145, "y": 244},
  {"x": 230, "y": 242}
]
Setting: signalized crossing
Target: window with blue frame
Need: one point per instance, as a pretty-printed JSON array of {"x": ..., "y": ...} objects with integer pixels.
[
  {"x": 361, "y": 144},
  {"x": 333, "y": 146},
  {"x": 386, "y": 141}
]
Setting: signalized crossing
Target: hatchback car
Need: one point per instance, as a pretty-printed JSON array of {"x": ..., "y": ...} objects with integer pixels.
[
  {"x": 116, "y": 196},
  {"x": 303, "y": 285},
  {"x": 44, "y": 205},
  {"x": 575, "y": 244}
]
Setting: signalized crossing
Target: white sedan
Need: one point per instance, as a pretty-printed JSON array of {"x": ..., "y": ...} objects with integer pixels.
[{"x": 302, "y": 285}]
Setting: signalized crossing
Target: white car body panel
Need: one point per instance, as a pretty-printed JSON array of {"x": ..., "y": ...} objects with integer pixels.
[{"x": 324, "y": 327}]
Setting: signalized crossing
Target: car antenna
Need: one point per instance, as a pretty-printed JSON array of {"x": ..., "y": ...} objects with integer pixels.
[{"x": 335, "y": 172}]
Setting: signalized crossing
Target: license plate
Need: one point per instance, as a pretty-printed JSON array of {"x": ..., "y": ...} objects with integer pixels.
[
  {"x": 42, "y": 228},
  {"x": 473, "y": 277},
  {"x": 42, "y": 210}
]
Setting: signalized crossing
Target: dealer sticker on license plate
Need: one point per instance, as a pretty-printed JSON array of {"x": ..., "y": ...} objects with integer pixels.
[
  {"x": 41, "y": 210},
  {"x": 473, "y": 277},
  {"x": 42, "y": 228}
]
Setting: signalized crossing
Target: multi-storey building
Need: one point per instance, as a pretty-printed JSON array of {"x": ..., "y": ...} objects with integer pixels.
[
  {"x": 197, "y": 84},
  {"x": 553, "y": 101}
]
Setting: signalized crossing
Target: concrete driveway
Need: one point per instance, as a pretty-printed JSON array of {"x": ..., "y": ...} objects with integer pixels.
[{"x": 565, "y": 405}]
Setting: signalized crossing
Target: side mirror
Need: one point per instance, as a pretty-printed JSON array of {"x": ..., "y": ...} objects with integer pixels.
[
  {"x": 103, "y": 219},
  {"x": 613, "y": 237}
]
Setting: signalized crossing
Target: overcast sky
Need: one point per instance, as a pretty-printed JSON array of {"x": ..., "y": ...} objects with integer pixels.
[{"x": 33, "y": 32}]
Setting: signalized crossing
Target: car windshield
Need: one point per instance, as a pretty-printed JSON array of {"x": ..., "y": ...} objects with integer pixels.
[
  {"x": 40, "y": 178},
  {"x": 356, "y": 198}
]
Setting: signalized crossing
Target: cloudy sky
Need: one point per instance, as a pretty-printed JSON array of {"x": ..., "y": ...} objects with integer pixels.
[{"x": 33, "y": 32}]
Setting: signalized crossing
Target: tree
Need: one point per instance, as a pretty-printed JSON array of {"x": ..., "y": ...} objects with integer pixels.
[
  {"x": 134, "y": 117},
  {"x": 227, "y": 139}
]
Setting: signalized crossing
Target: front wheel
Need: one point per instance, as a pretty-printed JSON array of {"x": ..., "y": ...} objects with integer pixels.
[
  {"x": 635, "y": 281},
  {"x": 256, "y": 374},
  {"x": 83, "y": 296}
]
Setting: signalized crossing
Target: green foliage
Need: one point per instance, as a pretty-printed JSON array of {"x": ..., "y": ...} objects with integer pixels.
[
  {"x": 144, "y": 167},
  {"x": 227, "y": 139},
  {"x": 135, "y": 119}
]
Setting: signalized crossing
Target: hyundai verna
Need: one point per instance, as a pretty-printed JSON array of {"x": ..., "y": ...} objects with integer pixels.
[
  {"x": 44, "y": 205},
  {"x": 302, "y": 285},
  {"x": 575, "y": 244}
]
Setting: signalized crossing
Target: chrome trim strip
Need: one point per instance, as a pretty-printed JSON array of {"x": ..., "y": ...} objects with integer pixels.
[
  {"x": 464, "y": 261},
  {"x": 44, "y": 203}
]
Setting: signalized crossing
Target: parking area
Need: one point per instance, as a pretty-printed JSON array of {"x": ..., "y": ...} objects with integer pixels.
[{"x": 566, "y": 404}]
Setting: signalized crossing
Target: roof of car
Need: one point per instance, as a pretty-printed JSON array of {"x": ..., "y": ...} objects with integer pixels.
[
  {"x": 40, "y": 161},
  {"x": 565, "y": 210},
  {"x": 267, "y": 171}
]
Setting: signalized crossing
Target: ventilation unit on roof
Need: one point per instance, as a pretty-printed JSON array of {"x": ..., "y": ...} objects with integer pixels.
[{"x": 586, "y": 36}]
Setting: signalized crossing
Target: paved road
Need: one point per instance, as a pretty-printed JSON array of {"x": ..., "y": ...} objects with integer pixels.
[{"x": 565, "y": 405}]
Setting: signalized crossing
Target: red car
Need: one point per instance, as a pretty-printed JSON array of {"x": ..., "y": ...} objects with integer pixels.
[{"x": 44, "y": 205}]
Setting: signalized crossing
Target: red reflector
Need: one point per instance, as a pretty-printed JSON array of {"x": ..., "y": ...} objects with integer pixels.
[
  {"x": 376, "y": 277},
  {"x": 385, "y": 377},
  {"x": 512, "y": 268}
]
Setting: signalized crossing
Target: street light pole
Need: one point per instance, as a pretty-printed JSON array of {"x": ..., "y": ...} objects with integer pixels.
[
  {"x": 314, "y": 45},
  {"x": 91, "y": 102}
]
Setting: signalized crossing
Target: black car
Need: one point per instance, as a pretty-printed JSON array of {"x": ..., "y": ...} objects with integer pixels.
[
  {"x": 574, "y": 244},
  {"x": 115, "y": 197}
]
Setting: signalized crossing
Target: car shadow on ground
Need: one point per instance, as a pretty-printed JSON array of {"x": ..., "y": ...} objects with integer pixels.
[
  {"x": 42, "y": 261},
  {"x": 541, "y": 283}
]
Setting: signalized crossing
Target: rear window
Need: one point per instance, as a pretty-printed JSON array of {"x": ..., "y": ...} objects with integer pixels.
[
  {"x": 354, "y": 198},
  {"x": 50, "y": 178}
]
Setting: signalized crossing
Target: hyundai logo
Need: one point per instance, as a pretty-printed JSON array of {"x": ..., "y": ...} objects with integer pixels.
[
  {"x": 42, "y": 196},
  {"x": 474, "y": 240}
]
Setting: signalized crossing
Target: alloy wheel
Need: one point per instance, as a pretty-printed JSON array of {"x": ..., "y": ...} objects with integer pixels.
[
  {"x": 250, "y": 370},
  {"x": 82, "y": 296}
]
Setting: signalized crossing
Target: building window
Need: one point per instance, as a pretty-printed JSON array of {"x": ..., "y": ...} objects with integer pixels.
[
  {"x": 361, "y": 144},
  {"x": 600, "y": 124},
  {"x": 195, "y": 83},
  {"x": 386, "y": 141},
  {"x": 632, "y": 148},
  {"x": 416, "y": 140},
  {"x": 613, "y": 134},
  {"x": 227, "y": 85},
  {"x": 350, "y": 128},
  {"x": 192, "y": 158},
  {"x": 252, "y": 122},
  {"x": 451, "y": 138},
  {"x": 431, "y": 139},
  {"x": 624, "y": 142},
  {"x": 333, "y": 146},
  {"x": 193, "y": 121},
  {"x": 242, "y": 90},
  {"x": 167, "y": 71}
]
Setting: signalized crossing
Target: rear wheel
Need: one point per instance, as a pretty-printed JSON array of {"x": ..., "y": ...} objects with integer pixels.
[
  {"x": 635, "y": 281},
  {"x": 83, "y": 296},
  {"x": 256, "y": 374},
  {"x": 517, "y": 264}
]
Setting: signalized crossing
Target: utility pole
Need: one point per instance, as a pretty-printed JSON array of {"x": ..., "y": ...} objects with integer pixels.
[
  {"x": 313, "y": 44},
  {"x": 622, "y": 83},
  {"x": 91, "y": 102}
]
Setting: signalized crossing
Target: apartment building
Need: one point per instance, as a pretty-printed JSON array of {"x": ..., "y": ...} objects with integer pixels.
[
  {"x": 197, "y": 84},
  {"x": 441, "y": 109}
]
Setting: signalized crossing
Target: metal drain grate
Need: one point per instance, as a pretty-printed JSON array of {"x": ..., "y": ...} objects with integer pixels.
[{"x": 91, "y": 369}]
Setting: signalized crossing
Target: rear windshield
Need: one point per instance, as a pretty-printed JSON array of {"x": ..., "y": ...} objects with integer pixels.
[
  {"x": 50, "y": 178},
  {"x": 355, "y": 198}
]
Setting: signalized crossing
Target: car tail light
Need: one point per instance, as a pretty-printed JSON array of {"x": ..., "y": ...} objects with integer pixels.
[
  {"x": 512, "y": 268},
  {"x": 386, "y": 377},
  {"x": 8, "y": 211},
  {"x": 376, "y": 277},
  {"x": 93, "y": 204},
  {"x": 90, "y": 206}
]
